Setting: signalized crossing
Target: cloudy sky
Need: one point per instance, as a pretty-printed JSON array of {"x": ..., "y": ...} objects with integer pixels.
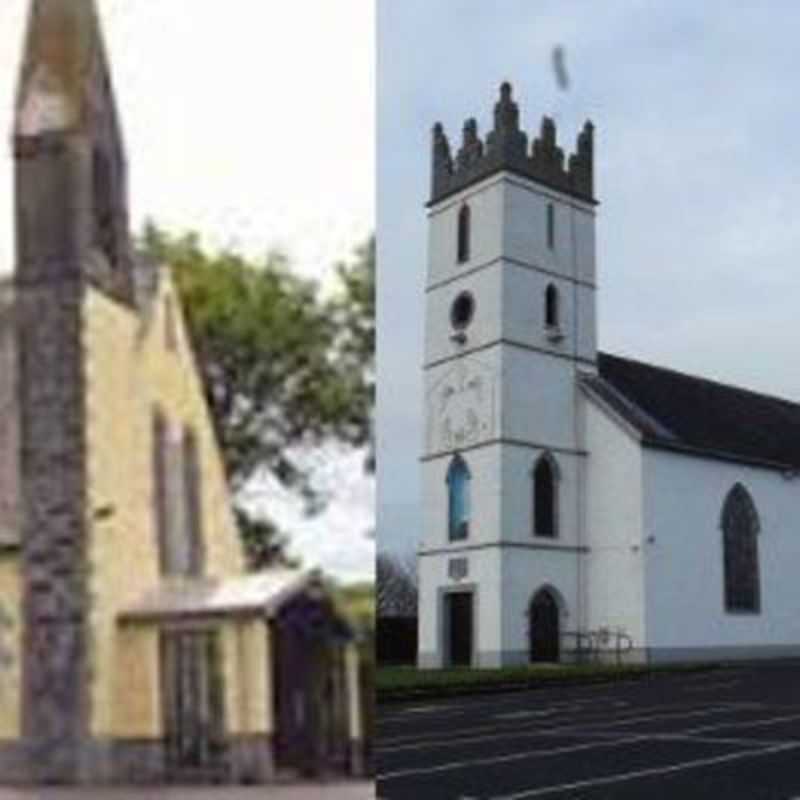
[
  {"x": 697, "y": 167},
  {"x": 251, "y": 122}
]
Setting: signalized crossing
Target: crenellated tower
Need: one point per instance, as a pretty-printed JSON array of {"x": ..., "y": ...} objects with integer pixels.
[{"x": 510, "y": 322}]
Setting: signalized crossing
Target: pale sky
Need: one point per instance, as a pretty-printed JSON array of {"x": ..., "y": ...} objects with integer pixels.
[
  {"x": 697, "y": 169},
  {"x": 251, "y": 122}
]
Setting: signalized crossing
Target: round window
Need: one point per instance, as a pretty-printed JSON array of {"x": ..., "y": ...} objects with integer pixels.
[{"x": 462, "y": 310}]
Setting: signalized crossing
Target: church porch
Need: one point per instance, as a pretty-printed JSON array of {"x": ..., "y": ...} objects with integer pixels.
[{"x": 256, "y": 679}]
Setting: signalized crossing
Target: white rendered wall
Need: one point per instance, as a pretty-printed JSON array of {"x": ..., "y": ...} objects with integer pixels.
[
  {"x": 485, "y": 285},
  {"x": 525, "y": 230},
  {"x": 485, "y": 201},
  {"x": 517, "y": 497},
  {"x": 523, "y": 307},
  {"x": 538, "y": 399},
  {"x": 683, "y": 499},
  {"x": 614, "y": 563},
  {"x": 525, "y": 572},
  {"x": 483, "y": 573}
]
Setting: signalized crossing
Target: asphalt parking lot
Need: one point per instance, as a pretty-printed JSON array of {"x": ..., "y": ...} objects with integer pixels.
[{"x": 730, "y": 733}]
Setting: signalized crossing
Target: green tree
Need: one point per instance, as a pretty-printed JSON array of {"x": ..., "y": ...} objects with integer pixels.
[
  {"x": 354, "y": 312},
  {"x": 284, "y": 369}
]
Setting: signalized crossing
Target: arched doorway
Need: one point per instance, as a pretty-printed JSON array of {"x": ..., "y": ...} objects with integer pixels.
[{"x": 543, "y": 630}]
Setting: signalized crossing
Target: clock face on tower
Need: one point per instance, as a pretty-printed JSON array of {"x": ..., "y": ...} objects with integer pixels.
[{"x": 461, "y": 407}]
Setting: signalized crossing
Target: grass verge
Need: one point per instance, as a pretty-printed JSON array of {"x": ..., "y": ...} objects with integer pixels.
[{"x": 395, "y": 684}]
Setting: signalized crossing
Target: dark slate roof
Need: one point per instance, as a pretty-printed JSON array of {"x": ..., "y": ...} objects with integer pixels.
[{"x": 683, "y": 412}]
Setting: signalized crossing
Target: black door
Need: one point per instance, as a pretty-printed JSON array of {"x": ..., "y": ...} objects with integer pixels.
[
  {"x": 310, "y": 698},
  {"x": 459, "y": 619},
  {"x": 192, "y": 691},
  {"x": 544, "y": 634}
]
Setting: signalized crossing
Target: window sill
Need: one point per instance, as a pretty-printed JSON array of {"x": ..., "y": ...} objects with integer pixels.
[
  {"x": 553, "y": 333},
  {"x": 743, "y": 612}
]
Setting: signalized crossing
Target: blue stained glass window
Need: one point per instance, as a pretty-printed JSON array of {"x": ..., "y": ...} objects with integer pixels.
[{"x": 458, "y": 480}]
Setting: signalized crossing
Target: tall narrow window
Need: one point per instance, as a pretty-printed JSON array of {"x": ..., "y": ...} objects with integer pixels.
[
  {"x": 740, "y": 527},
  {"x": 551, "y": 226},
  {"x": 463, "y": 234},
  {"x": 458, "y": 481},
  {"x": 192, "y": 500},
  {"x": 160, "y": 490},
  {"x": 545, "y": 499},
  {"x": 551, "y": 306}
]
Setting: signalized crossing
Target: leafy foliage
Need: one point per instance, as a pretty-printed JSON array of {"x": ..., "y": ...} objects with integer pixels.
[{"x": 284, "y": 370}]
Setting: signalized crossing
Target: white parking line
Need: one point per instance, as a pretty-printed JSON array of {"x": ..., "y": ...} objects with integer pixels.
[
  {"x": 545, "y": 712},
  {"x": 643, "y": 773},
  {"x": 748, "y": 724},
  {"x": 577, "y": 730},
  {"x": 529, "y": 754},
  {"x": 487, "y": 732}
]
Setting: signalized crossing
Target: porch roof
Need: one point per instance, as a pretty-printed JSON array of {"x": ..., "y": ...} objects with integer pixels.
[{"x": 259, "y": 593}]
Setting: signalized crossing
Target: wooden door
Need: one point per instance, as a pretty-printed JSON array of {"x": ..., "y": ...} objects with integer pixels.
[
  {"x": 460, "y": 620},
  {"x": 544, "y": 627}
]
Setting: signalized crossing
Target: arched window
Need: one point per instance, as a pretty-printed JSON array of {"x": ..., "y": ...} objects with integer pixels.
[
  {"x": 551, "y": 226},
  {"x": 545, "y": 496},
  {"x": 458, "y": 480},
  {"x": 463, "y": 234},
  {"x": 740, "y": 527},
  {"x": 551, "y": 306}
]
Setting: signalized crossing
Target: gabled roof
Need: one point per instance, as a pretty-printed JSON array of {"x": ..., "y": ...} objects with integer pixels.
[{"x": 676, "y": 411}]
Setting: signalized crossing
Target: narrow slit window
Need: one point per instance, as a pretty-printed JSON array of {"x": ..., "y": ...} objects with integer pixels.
[
  {"x": 551, "y": 226},
  {"x": 463, "y": 234},
  {"x": 551, "y": 306},
  {"x": 545, "y": 499}
]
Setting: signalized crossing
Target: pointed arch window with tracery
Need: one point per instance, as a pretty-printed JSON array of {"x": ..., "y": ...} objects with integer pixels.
[{"x": 740, "y": 527}]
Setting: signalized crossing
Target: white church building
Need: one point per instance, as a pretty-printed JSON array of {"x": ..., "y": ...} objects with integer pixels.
[{"x": 573, "y": 499}]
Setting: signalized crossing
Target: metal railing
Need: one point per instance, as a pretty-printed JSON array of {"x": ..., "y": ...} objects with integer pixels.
[{"x": 593, "y": 646}]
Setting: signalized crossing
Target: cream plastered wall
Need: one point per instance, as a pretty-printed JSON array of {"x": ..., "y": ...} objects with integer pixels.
[
  {"x": 10, "y": 651},
  {"x": 129, "y": 372},
  {"x": 248, "y": 693}
]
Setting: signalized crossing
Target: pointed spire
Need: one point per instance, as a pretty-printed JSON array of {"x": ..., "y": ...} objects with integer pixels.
[
  {"x": 507, "y": 141},
  {"x": 506, "y": 111},
  {"x": 63, "y": 57},
  {"x": 581, "y": 163},
  {"x": 69, "y": 152},
  {"x": 442, "y": 160},
  {"x": 471, "y": 145}
]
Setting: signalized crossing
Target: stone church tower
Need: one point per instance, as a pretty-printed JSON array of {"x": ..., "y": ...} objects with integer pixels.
[
  {"x": 72, "y": 233},
  {"x": 510, "y": 323}
]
